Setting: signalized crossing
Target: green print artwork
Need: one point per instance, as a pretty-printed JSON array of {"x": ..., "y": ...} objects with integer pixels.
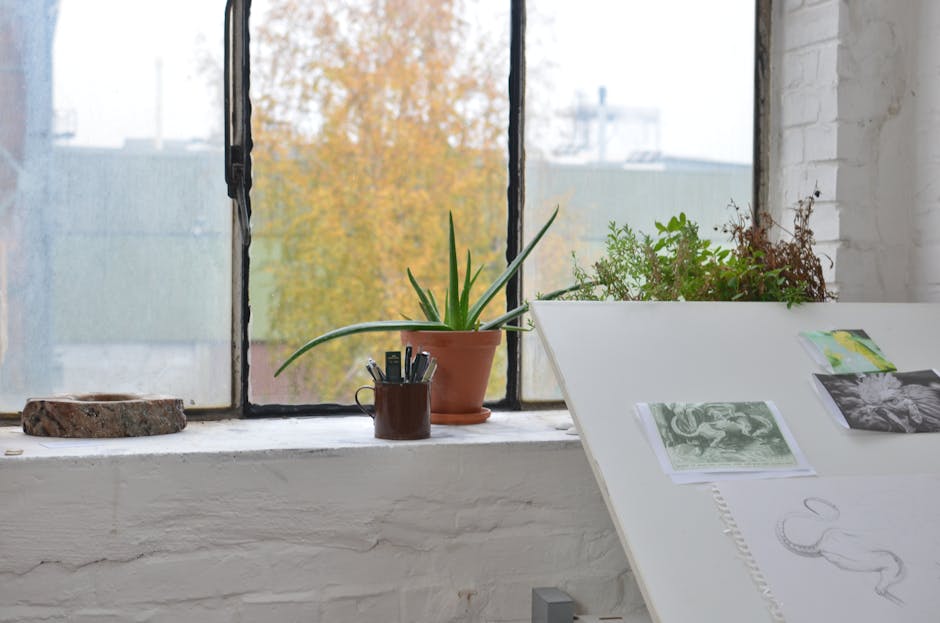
[{"x": 722, "y": 436}]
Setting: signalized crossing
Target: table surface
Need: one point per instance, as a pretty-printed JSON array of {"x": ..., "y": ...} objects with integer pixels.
[{"x": 609, "y": 356}]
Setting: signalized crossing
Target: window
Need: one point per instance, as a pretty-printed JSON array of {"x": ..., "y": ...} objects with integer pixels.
[
  {"x": 364, "y": 123},
  {"x": 371, "y": 121},
  {"x": 635, "y": 111},
  {"x": 115, "y": 230}
]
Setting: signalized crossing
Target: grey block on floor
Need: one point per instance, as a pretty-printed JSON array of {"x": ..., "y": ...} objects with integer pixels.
[{"x": 551, "y": 605}]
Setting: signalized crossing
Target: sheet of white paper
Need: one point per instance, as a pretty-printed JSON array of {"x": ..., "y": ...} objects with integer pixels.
[
  {"x": 704, "y": 477},
  {"x": 715, "y": 461},
  {"x": 854, "y": 549}
]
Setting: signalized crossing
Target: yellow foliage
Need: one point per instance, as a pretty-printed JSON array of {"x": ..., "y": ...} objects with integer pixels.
[{"x": 372, "y": 120}]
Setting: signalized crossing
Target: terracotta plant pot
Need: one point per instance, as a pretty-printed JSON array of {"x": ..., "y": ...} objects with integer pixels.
[{"x": 464, "y": 361}]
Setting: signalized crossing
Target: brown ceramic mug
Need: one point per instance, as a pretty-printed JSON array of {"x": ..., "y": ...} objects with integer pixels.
[{"x": 401, "y": 411}]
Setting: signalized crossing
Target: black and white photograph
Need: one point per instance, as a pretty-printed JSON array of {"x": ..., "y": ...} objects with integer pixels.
[{"x": 898, "y": 402}]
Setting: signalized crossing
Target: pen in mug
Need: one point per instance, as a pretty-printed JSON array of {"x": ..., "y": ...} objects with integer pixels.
[
  {"x": 393, "y": 367},
  {"x": 419, "y": 367},
  {"x": 432, "y": 368},
  {"x": 375, "y": 370},
  {"x": 372, "y": 373}
]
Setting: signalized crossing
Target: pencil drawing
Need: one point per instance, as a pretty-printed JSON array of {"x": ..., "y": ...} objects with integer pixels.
[{"x": 846, "y": 550}]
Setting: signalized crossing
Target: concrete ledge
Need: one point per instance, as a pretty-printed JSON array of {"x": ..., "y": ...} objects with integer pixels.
[{"x": 288, "y": 434}]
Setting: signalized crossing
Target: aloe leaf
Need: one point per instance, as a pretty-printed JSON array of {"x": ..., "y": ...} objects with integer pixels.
[
  {"x": 487, "y": 296},
  {"x": 464, "y": 304},
  {"x": 453, "y": 296},
  {"x": 475, "y": 275},
  {"x": 426, "y": 305},
  {"x": 448, "y": 319},
  {"x": 364, "y": 327},
  {"x": 468, "y": 324},
  {"x": 434, "y": 306},
  {"x": 429, "y": 314},
  {"x": 554, "y": 294},
  {"x": 497, "y": 323}
]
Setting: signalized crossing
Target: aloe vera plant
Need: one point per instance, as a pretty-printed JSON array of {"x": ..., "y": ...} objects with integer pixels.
[{"x": 459, "y": 314}]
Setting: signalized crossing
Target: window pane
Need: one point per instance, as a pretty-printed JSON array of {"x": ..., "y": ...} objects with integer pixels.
[
  {"x": 371, "y": 120},
  {"x": 115, "y": 241},
  {"x": 635, "y": 111}
]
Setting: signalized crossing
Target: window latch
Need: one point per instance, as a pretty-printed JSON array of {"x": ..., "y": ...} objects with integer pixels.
[{"x": 237, "y": 111}]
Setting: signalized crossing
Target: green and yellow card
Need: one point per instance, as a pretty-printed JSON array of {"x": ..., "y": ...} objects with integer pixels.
[{"x": 846, "y": 350}]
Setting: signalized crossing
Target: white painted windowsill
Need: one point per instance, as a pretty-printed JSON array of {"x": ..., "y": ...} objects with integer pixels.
[{"x": 302, "y": 434}]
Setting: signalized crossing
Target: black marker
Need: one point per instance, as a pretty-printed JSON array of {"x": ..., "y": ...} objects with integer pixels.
[
  {"x": 408, "y": 363},
  {"x": 393, "y": 366}
]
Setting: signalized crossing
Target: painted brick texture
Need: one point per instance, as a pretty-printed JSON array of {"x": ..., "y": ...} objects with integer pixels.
[
  {"x": 804, "y": 133},
  {"x": 434, "y": 534},
  {"x": 856, "y": 94}
]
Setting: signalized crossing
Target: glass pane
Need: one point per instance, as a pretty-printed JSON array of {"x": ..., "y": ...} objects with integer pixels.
[
  {"x": 115, "y": 241},
  {"x": 371, "y": 120},
  {"x": 635, "y": 111}
]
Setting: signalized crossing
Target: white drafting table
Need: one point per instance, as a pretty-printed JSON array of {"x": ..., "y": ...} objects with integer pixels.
[{"x": 609, "y": 356}]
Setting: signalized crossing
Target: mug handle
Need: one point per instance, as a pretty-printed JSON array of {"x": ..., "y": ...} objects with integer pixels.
[{"x": 359, "y": 404}]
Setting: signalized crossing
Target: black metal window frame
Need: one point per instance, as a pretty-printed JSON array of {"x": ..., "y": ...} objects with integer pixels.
[{"x": 237, "y": 107}]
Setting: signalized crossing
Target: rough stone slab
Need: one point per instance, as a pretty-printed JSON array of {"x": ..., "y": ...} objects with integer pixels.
[{"x": 103, "y": 415}]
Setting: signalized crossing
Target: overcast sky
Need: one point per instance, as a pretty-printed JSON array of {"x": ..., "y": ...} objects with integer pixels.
[
  {"x": 105, "y": 67},
  {"x": 690, "y": 59}
]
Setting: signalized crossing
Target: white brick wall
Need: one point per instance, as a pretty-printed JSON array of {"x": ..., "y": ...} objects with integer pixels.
[
  {"x": 856, "y": 94},
  {"x": 926, "y": 151},
  {"x": 804, "y": 132},
  {"x": 421, "y": 533}
]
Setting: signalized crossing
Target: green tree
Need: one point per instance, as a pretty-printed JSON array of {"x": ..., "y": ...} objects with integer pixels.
[{"x": 372, "y": 119}]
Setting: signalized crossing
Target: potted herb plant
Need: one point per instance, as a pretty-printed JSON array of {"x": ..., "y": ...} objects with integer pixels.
[
  {"x": 677, "y": 264},
  {"x": 462, "y": 343}
]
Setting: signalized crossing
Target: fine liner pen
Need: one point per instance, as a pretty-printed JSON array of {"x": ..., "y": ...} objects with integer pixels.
[{"x": 419, "y": 367}]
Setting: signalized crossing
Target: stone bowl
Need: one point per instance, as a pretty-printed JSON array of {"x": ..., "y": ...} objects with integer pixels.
[{"x": 103, "y": 415}]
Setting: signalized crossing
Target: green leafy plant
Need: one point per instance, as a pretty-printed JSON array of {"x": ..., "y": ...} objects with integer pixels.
[
  {"x": 678, "y": 264},
  {"x": 459, "y": 313}
]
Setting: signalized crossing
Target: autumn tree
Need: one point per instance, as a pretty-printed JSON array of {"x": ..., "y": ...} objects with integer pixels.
[{"x": 372, "y": 119}]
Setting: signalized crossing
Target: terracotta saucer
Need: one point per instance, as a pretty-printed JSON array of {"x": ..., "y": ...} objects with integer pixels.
[{"x": 474, "y": 417}]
